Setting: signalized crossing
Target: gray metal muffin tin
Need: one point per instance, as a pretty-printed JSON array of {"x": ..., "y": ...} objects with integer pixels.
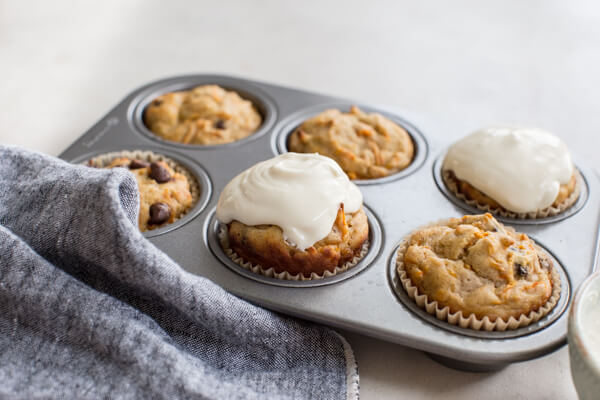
[{"x": 367, "y": 298}]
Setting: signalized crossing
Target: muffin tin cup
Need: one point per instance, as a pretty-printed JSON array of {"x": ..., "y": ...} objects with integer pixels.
[
  {"x": 263, "y": 103},
  {"x": 289, "y": 125},
  {"x": 471, "y": 321},
  {"x": 367, "y": 298},
  {"x": 200, "y": 187},
  {"x": 270, "y": 272},
  {"x": 104, "y": 160},
  {"x": 219, "y": 245}
]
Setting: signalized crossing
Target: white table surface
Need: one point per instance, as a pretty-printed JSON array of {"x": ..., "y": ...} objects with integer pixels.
[{"x": 63, "y": 65}]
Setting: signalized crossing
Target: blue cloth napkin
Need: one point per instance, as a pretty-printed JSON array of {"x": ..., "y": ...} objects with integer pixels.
[{"x": 90, "y": 309}]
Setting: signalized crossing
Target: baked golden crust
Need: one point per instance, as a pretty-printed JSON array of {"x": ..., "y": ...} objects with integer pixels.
[
  {"x": 564, "y": 193},
  {"x": 174, "y": 193},
  {"x": 204, "y": 115},
  {"x": 366, "y": 146},
  {"x": 264, "y": 245},
  {"x": 477, "y": 266}
]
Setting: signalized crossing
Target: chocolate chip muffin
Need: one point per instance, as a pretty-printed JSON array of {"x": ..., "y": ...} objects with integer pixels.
[
  {"x": 164, "y": 194},
  {"x": 476, "y": 266},
  {"x": 366, "y": 146},
  {"x": 204, "y": 115},
  {"x": 265, "y": 245}
]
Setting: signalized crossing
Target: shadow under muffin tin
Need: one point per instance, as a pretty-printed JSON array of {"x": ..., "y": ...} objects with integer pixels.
[{"x": 367, "y": 298}]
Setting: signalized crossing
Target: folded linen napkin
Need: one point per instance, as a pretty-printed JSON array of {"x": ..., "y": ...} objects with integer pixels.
[{"x": 91, "y": 309}]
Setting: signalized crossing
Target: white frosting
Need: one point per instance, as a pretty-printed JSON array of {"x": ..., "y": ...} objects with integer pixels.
[
  {"x": 521, "y": 168},
  {"x": 300, "y": 193}
]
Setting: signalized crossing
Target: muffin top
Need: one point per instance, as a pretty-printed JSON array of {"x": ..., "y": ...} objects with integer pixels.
[
  {"x": 521, "y": 169},
  {"x": 476, "y": 265},
  {"x": 204, "y": 115},
  {"x": 164, "y": 194},
  {"x": 299, "y": 193},
  {"x": 365, "y": 145}
]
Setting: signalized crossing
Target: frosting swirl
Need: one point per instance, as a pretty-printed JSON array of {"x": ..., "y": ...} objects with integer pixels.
[
  {"x": 300, "y": 193},
  {"x": 521, "y": 168}
]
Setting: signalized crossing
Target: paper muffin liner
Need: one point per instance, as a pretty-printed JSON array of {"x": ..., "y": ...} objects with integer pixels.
[
  {"x": 271, "y": 273},
  {"x": 451, "y": 183},
  {"x": 104, "y": 160},
  {"x": 471, "y": 321}
]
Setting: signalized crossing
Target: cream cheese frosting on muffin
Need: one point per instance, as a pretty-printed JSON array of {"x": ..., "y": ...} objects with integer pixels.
[
  {"x": 300, "y": 193},
  {"x": 522, "y": 169}
]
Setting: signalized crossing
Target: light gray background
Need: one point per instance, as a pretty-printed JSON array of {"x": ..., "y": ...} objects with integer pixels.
[{"x": 64, "y": 64}]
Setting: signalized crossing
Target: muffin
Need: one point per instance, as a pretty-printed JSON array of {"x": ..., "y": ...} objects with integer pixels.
[
  {"x": 295, "y": 215},
  {"x": 474, "y": 267},
  {"x": 204, "y": 115},
  {"x": 514, "y": 172},
  {"x": 366, "y": 146},
  {"x": 165, "y": 195}
]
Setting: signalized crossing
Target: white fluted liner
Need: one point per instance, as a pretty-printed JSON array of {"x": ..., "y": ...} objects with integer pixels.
[
  {"x": 452, "y": 185},
  {"x": 270, "y": 272}
]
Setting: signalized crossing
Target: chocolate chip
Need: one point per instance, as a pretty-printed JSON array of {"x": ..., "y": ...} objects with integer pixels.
[
  {"x": 157, "y": 103},
  {"x": 159, "y": 173},
  {"x": 159, "y": 213},
  {"x": 521, "y": 269},
  {"x": 137, "y": 164},
  {"x": 220, "y": 124}
]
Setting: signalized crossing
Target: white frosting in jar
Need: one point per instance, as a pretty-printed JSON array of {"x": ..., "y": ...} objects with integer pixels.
[
  {"x": 590, "y": 320},
  {"x": 521, "y": 168},
  {"x": 300, "y": 193}
]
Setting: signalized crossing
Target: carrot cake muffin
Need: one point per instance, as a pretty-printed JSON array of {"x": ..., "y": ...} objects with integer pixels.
[
  {"x": 164, "y": 194},
  {"x": 295, "y": 213},
  {"x": 204, "y": 115},
  {"x": 475, "y": 265},
  {"x": 365, "y": 145},
  {"x": 527, "y": 172}
]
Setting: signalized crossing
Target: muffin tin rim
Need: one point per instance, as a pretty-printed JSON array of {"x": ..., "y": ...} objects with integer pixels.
[
  {"x": 541, "y": 324},
  {"x": 194, "y": 168},
  {"x": 263, "y": 102},
  {"x": 579, "y": 204},
  {"x": 285, "y": 127},
  {"x": 376, "y": 241}
]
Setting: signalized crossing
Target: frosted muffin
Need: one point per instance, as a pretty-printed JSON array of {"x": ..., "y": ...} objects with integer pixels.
[
  {"x": 366, "y": 146},
  {"x": 516, "y": 172},
  {"x": 296, "y": 213},
  {"x": 475, "y": 266},
  {"x": 165, "y": 195},
  {"x": 204, "y": 115}
]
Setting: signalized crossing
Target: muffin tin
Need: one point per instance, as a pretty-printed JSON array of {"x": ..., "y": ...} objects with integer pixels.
[{"x": 367, "y": 298}]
